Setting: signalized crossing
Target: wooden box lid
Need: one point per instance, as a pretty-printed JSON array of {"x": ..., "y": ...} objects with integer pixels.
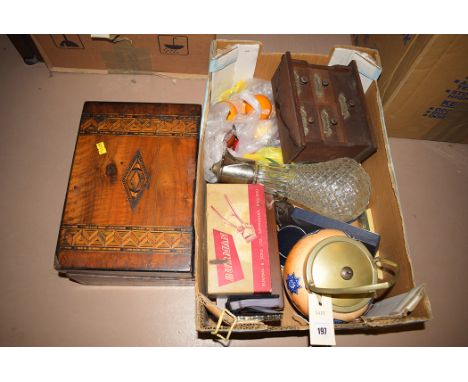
[{"x": 129, "y": 204}]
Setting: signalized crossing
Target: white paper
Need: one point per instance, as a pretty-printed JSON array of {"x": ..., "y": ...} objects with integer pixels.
[
  {"x": 321, "y": 327},
  {"x": 107, "y": 36},
  {"x": 230, "y": 67},
  {"x": 368, "y": 70}
]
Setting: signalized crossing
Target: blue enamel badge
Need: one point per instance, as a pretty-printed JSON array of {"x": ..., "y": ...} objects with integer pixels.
[{"x": 293, "y": 283}]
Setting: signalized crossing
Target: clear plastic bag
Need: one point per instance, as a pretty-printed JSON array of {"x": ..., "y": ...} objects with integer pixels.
[
  {"x": 254, "y": 135},
  {"x": 247, "y": 112},
  {"x": 217, "y": 127}
]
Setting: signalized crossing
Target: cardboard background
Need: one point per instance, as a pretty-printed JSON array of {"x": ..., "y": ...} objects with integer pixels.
[
  {"x": 134, "y": 54},
  {"x": 424, "y": 85}
]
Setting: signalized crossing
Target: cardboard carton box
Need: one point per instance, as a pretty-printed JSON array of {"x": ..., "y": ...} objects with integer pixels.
[
  {"x": 424, "y": 84},
  {"x": 137, "y": 54},
  {"x": 224, "y": 72}
]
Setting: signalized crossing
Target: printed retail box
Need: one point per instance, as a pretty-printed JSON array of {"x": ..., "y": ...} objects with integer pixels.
[{"x": 238, "y": 254}]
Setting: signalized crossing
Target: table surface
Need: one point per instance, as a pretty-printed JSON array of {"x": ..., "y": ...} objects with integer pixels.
[{"x": 40, "y": 113}]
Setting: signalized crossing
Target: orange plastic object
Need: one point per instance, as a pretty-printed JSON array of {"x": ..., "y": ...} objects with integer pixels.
[
  {"x": 265, "y": 105},
  {"x": 232, "y": 111}
]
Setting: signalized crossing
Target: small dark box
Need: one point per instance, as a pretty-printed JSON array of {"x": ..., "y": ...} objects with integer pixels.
[{"x": 322, "y": 114}]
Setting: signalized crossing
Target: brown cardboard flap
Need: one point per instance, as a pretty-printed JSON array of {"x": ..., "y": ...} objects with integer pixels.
[{"x": 401, "y": 71}]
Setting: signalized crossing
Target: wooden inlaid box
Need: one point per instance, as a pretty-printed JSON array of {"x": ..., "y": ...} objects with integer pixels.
[{"x": 128, "y": 213}]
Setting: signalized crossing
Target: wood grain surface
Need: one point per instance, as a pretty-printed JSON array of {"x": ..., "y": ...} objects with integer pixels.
[{"x": 131, "y": 208}]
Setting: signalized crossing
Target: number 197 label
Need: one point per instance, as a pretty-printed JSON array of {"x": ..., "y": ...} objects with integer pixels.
[
  {"x": 322, "y": 331},
  {"x": 321, "y": 327}
]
